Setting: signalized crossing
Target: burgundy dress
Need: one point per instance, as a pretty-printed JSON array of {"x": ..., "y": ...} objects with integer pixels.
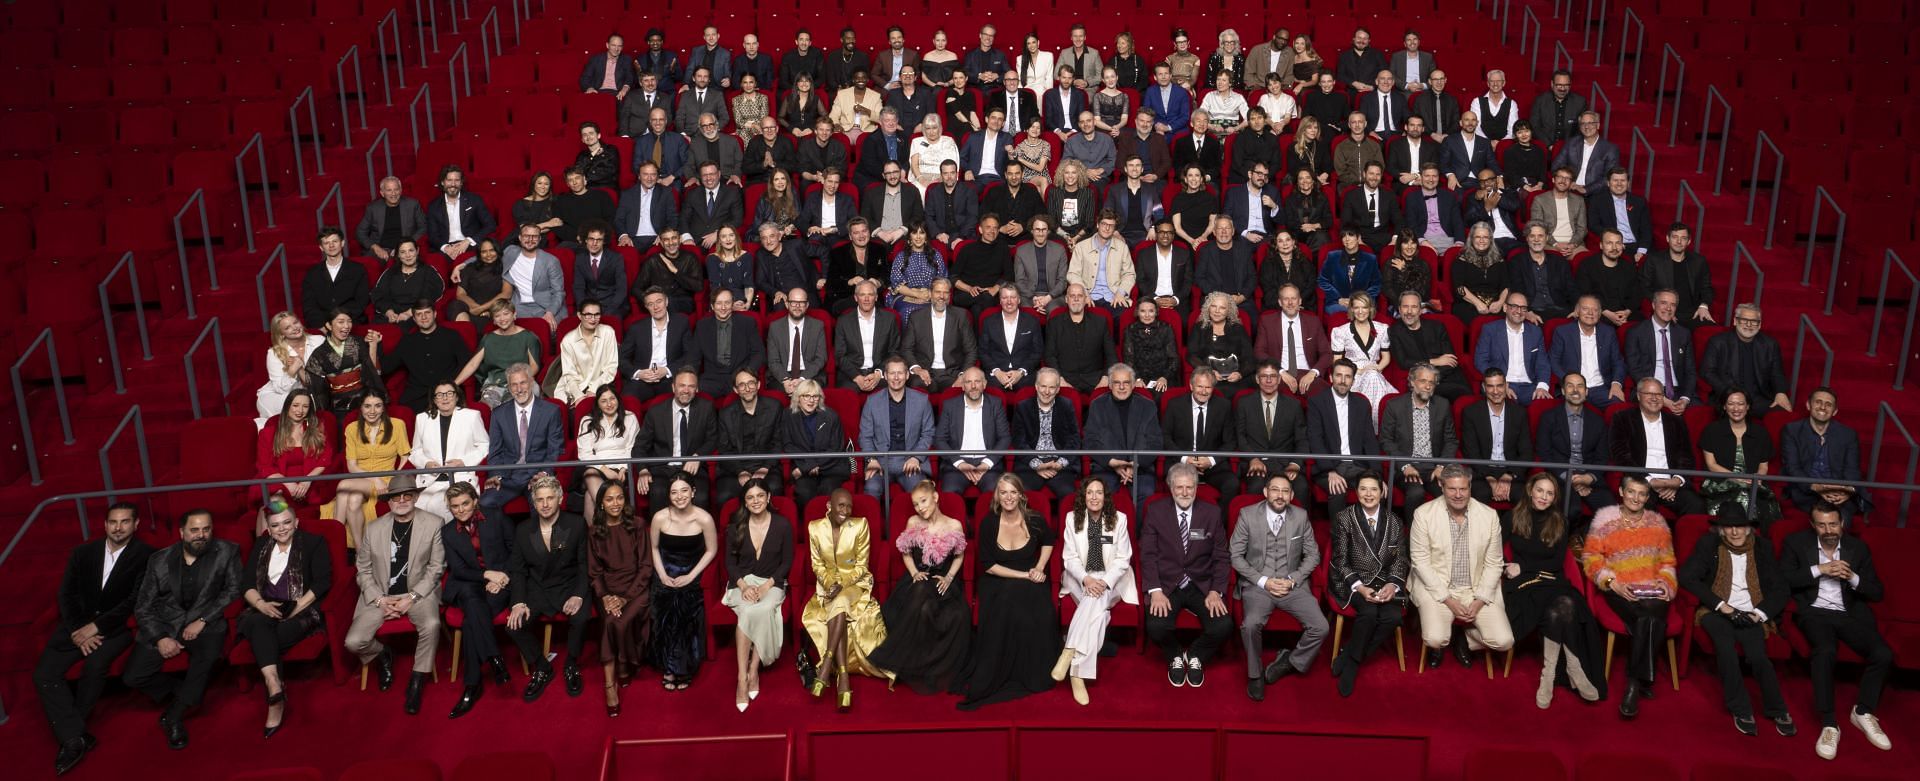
[{"x": 619, "y": 564}]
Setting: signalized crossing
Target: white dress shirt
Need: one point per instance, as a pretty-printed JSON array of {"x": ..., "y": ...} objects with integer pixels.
[
  {"x": 1656, "y": 431},
  {"x": 453, "y": 220},
  {"x": 938, "y": 321}
]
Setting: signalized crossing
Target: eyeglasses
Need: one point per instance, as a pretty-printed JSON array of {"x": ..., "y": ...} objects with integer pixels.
[
  {"x": 1747, "y": 320},
  {"x": 1519, "y": 307},
  {"x": 445, "y": 394}
]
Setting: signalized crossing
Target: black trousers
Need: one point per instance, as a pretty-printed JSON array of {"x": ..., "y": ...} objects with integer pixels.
[
  {"x": 271, "y": 637},
  {"x": 728, "y": 485},
  {"x": 477, "y": 642},
  {"x": 1063, "y": 483},
  {"x": 951, "y": 481},
  {"x": 1730, "y": 643},
  {"x": 1646, "y": 621},
  {"x": 143, "y": 672},
  {"x": 1825, "y": 631},
  {"x": 1414, "y": 493},
  {"x": 1213, "y": 631},
  {"x": 68, "y": 706},
  {"x": 1338, "y": 501},
  {"x": 1483, "y": 491},
  {"x": 1685, "y": 502},
  {"x": 1372, "y": 625},
  {"x": 527, "y": 638}
]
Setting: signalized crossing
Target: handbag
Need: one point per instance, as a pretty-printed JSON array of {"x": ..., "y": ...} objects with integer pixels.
[{"x": 1224, "y": 365}]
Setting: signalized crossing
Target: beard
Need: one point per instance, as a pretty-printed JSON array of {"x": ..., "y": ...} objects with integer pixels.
[{"x": 196, "y": 548}]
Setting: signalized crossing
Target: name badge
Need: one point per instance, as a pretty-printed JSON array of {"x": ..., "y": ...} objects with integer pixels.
[{"x": 1196, "y": 534}]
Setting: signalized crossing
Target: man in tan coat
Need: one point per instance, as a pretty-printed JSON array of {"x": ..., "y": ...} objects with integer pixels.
[
  {"x": 398, "y": 566},
  {"x": 1455, "y": 546}
]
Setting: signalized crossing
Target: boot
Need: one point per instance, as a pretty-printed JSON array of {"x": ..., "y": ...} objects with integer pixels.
[
  {"x": 1578, "y": 676},
  {"x": 1060, "y": 666},
  {"x": 1544, "y": 696}
]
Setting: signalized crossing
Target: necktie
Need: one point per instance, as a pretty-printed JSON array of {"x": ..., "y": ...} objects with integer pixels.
[
  {"x": 1269, "y": 405},
  {"x": 1666, "y": 357},
  {"x": 523, "y": 435},
  {"x": 1096, "y": 555},
  {"x": 1288, "y": 360},
  {"x": 656, "y": 151},
  {"x": 1384, "y": 117},
  {"x": 680, "y": 448},
  {"x": 1199, "y": 425},
  {"x": 793, "y": 353},
  {"x": 1186, "y": 526},
  {"x": 593, "y": 266},
  {"x": 1373, "y": 208},
  {"x": 709, "y": 203}
]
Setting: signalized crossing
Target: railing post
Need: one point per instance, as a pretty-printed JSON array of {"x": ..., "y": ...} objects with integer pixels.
[
  {"x": 1560, "y": 55},
  {"x": 1761, "y": 143},
  {"x": 180, "y": 243},
  {"x": 1681, "y": 196},
  {"x": 489, "y": 45},
  {"x": 139, "y": 320},
  {"x": 1667, "y": 54},
  {"x": 359, "y": 92},
  {"x": 59, "y": 400},
  {"x": 1820, "y": 194},
  {"x": 293, "y": 129},
  {"x": 1503, "y": 13},
  {"x": 258, "y": 145},
  {"x": 380, "y": 144},
  {"x": 1800, "y": 346},
  {"x": 1628, "y": 17},
  {"x": 1602, "y": 104},
  {"x": 220, "y": 360},
  {"x": 453, "y": 17},
  {"x": 413, "y": 115},
  {"x": 1881, "y": 417},
  {"x": 1742, "y": 258},
  {"x": 393, "y": 64},
  {"x": 1634, "y": 145},
  {"x": 277, "y": 257},
  {"x": 1887, "y": 266},
  {"x": 140, "y": 441},
  {"x": 1726, "y": 135},
  {"x": 1532, "y": 49},
  {"x": 457, "y": 86},
  {"x": 1593, "y": 38},
  {"x": 420, "y": 34},
  {"x": 339, "y": 209}
]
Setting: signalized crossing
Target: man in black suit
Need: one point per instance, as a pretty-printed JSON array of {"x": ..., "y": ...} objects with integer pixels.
[
  {"x": 646, "y": 210},
  {"x": 1164, "y": 271},
  {"x": 1258, "y": 142},
  {"x": 1418, "y": 424},
  {"x": 1340, "y": 427},
  {"x": 1747, "y": 359},
  {"x": 825, "y": 214},
  {"x": 1649, "y": 437},
  {"x": 1123, "y": 423},
  {"x": 952, "y": 206},
  {"x": 1606, "y": 208},
  {"x": 1384, "y": 106},
  {"x": 1198, "y": 146},
  {"x": 1408, "y": 152},
  {"x": 752, "y": 424},
  {"x": 95, "y": 600},
  {"x": 1010, "y": 343},
  {"x": 636, "y": 109},
  {"x": 335, "y": 283},
  {"x": 1268, "y": 421},
  {"x": 550, "y": 580},
  {"x": 391, "y": 217},
  {"x": 1820, "y": 447},
  {"x": 724, "y": 343},
  {"x": 652, "y": 348},
  {"x": 479, "y": 553},
  {"x": 1833, "y": 579},
  {"x": 768, "y": 150},
  {"x": 458, "y": 219},
  {"x": 1254, "y": 209},
  {"x": 181, "y": 607},
  {"x": 1017, "y": 103},
  {"x": 1060, "y": 108},
  {"x": 971, "y": 414},
  {"x": 1135, "y": 201},
  {"x": 1439, "y": 111},
  {"x": 1203, "y": 421},
  {"x": 1079, "y": 343},
  {"x": 862, "y": 340},
  {"x": 609, "y": 72},
  {"x": 1494, "y": 428},
  {"x": 1357, "y": 66},
  {"x": 1372, "y": 210},
  {"x": 599, "y": 275},
  {"x": 1683, "y": 270},
  {"x": 821, "y": 151},
  {"x": 1661, "y": 348},
  {"x": 683, "y": 428},
  {"x": 888, "y": 144},
  {"x": 939, "y": 341},
  {"x": 704, "y": 209},
  {"x": 1044, "y": 422},
  {"x": 895, "y": 195},
  {"x": 1573, "y": 433},
  {"x": 1184, "y": 566},
  {"x": 1413, "y": 340}
]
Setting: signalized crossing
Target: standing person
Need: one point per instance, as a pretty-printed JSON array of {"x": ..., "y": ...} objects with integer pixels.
[
  {"x": 759, "y": 556},
  {"x": 550, "y": 581},
  {"x": 929, "y": 627},
  {"x": 1629, "y": 557},
  {"x": 1096, "y": 560},
  {"x": 291, "y": 571},
  {"x": 398, "y": 567},
  {"x": 1367, "y": 573},
  {"x": 1019, "y": 636},
  {"x": 1741, "y": 591},
  {"x": 96, "y": 596},
  {"x": 684, "y": 546},
  {"x": 1832, "y": 577},
  {"x": 618, "y": 563},
  {"x": 1541, "y": 595},
  {"x": 842, "y": 618},
  {"x": 181, "y": 608},
  {"x": 1274, "y": 552},
  {"x": 1184, "y": 563}
]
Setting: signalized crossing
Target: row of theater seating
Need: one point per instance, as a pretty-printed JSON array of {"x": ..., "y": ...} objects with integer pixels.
[{"x": 489, "y": 766}]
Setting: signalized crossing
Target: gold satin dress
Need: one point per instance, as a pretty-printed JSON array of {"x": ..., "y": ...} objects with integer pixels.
[{"x": 846, "y": 566}]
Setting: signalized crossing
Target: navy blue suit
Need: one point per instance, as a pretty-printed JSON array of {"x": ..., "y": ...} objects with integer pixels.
[
  {"x": 545, "y": 438},
  {"x": 1564, "y": 357},
  {"x": 1413, "y": 212},
  {"x": 974, "y": 152},
  {"x": 1175, "y": 111},
  {"x": 1490, "y": 352},
  {"x": 674, "y": 150}
]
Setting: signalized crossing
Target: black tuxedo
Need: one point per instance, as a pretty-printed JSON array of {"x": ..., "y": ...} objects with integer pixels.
[
  {"x": 1643, "y": 349},
  {"x": 163, "y": 610},
  {"x": 466, "y": 586},
  {"x": 1146, "y": 270},
  {"x": 1628, "y": 441},
  {"x": 1023, "y": 421},
  {"x": 958, "y": 348},
  {"x": 849, "y": 351},
  {"x": 1354, "y": 213},
  {"x": 83, "y": 600},
  {"x": 1368, "y": 104},
  {"x": 1401, "y": 159},
  {"x": 697, "y": 220},
  {"x": 748, "y": 352},
  {"x": 1025, "y": 352},
  {"x": 701, "y": 437},
  {"x": 1209, "y": 156},
  {"x": 321, "y": 293},
  {"x": 1553, "y": 441},
  {"x": 636, "y": 353},
  {"x": 1476, "y": 441},
  {"x": 1323, "y": 439},
  {"x": 1289, "y": 435},
  {"x": 1029, "y": 107},
  {"x": 544, "y": 576},
  {"x": 1177, "y": 423},
  {"x": 476, "y": 221}
]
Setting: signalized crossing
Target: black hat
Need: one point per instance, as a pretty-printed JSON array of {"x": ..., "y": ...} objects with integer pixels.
[{"x": 1732, "y": 514}]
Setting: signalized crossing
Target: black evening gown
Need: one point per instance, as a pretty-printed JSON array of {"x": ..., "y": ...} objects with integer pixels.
[
  {"x": 679, "y": 614},
  {"x": 1019, "y": 636},
  {"x": 1542, "y": 598},
  {"x": 928, "y": 633}
]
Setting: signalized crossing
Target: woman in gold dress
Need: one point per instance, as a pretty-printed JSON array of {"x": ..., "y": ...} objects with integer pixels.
[{"x": 842, "y": 618}]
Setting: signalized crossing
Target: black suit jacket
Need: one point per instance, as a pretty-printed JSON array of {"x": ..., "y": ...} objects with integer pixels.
[
  {"x": 848, "y": 350},
  {"x": 1177, "y": 422},
  {"x": 1628, "y": 440},
  {"x": 1146, "y": 270},
  {"x": 697, "y": 220},
  {"x": 320, "y": 293},
  {"x": 1553, "y": 443},
  {"x": 873, "y": 157},
  {"x": 1368, "y": 104},
  {"x": 1401, "y": 159},
  {"x": 661, "y": 211},
  {"x": 1025, "y": 352},
  {"x": 609, "y": 287},
  {"x": 656, "y": 433},
  {"x": 1643, "y": 349},
  {"x": 1209, "y": 157},
  {"x": 749, "y": 352},
  {"x": 1289, "y": 433},
  {"x": 1697, "y": 574},
  {"x": 373, "y": 222},
  {"x": 1440, "y": 110},
  {"x": 319, "y": 575},
  {"x": 83, "y": 600},
  {"x": 1600, "y": 217},
  {"x": 543, "y": 577},
  {"x": 810, "y": 213},
  {"x": 465, "y": 573},
  {"x": 965, "y": 204},
  {"x": 874, "y": 199},
  {"x": 1353, "y": 213},
  {"x": 1050, "y": 109},
  {"x": 1205, "y": 560},
  {"x": 1476, "y": 437},
  {"x": 1323, "y": 433},
  {"x": 157, "y": 607},
  {"x": 1718, "y": 366},
  {"x": 958, "y": 341},
  {"x": 476, "y": 221},
  {"x": 1800, "y": 553},
  {"x": 624, "y": 74},
  {"x": 1029, "y": 108},
  {"x": 1104, "y": 429},
  {"x": 636, "y": 346},
  {"x": 1024, "y": 422}
]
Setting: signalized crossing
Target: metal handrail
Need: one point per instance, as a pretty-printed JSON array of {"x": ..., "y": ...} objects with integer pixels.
[
  {"x": 293, "y": 129},
  {"x": 199, "y": 196},
  {"x": 220, "y": 360},
  {"x": 488, "y": 52},
  {"x": 1560, "y": 54},
  {"x": 1667, "y": 54},
  {"x": 1820, "y": 195},
  {"x": 1799, "y": 346},
  {"x": 59, "y": 399},
  {"x": 1761, "y": 143},
  {"x": 1682, "y": 195},
  {"x": 359, "y": 92},
  {"x": 1887, "y": 266},
  {"x": 1602, "y": 104},
  {"x": 1742, "y": 258},
  {"x": 380, "y": 144},
  {"x": 413, "y": 115},
  {"x": 455, "y": 87},
  {"x": 277, "y": 256},
  {"x": 1503, "y": 13},
  {"x": 1726, "y": 135},
  {"x": 339, "y": 208},
  {"x": 518, "y": 7},
  {"x": 106, "y": 464},
  {"x": 1639, "y": 48},
  {"x": 1634, "y": 145},
  {"x": 1881, "y": 417},
  {"x": 392, "y": 74},
  {"x": 1563, "y": 10},
  {"x": 1527, "y": 17},
  {"x": 139, "y": 319},
  {"x": 1594, "y": 32},
  {"x": 258, "y": 145},
  {"x": 420, "y": 36},
  {"x": 453, "y": 17}
]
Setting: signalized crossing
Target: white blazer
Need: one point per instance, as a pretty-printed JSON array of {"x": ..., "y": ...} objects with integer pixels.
[
  {"x": 273, "y": 395},
  {"x": 1119, "y": 558},
  {"x": 466, "y": 441}
]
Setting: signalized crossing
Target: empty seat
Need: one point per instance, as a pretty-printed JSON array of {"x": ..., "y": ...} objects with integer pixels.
[
  {"x": 86, "y": 127},
  {"x": 514, "y": 71},
  {"x": 194, "y": 43},
  {"x": 29, "y": 183},
  {"x": 146, "y": 126},
  {"x": 204, "y": 125},
  {"x": 81, "y": 85},
  {"x": 249, "y": 80},
  {"x": 84, "y": 44},
  {"x": 66, "y": 234},
  {"x": 195, "y": 81},
  {"x": 139, "y": 84},
  {"x": 139, "y": 44}
]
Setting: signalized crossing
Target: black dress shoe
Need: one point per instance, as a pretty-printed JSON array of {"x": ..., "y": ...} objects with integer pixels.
[
  {"x": 499, "y": 667},
  {"x": 1348, "y": 675},
  {"x": 1279, "y": 667},
  {"x": 416, "y": 687},
  {"x": 571, "y": 674},
  {"x": 71, "y": 754},
  {"x": 1461, "y": 653},
  {"x": 1334, "y": 667},
  {"x": 1433, "y": 658},
  {"x": 383, "y": 669},
  {"x": 175, "y": 731},
  {"x": 1746, "y": 726},
  {"x": 1257, "y": 688},
  {"x": 537, "y": 685},
  {"x": 1630, "y": 701},
  {"x": 469, "y": 697}
]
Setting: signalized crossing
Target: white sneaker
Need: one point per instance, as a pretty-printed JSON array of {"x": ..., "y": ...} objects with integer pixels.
[
  {"x": 1829, "y": 743},
  {"x": 1870, "y": 727}
]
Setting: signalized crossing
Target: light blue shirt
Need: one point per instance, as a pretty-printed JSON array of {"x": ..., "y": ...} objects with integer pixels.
[
  {"x": 1100, "y": 291},
  {"x": 1620, "y": 221}
]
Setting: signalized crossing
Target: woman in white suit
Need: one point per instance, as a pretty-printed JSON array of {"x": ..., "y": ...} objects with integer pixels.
[
  {"x": 607, "y": 433},
  {"x": 1098, "y": 559},
  {"x": 447, "y": 434}
]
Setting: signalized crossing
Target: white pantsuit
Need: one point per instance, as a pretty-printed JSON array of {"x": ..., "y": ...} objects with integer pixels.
[
  {"x": 1087, "y": 632},
  {"x": 466, "y": 441}
]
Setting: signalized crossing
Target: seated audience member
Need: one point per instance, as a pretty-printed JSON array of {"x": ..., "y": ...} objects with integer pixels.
[
  {"x": 731, "y": 267},
  {"x": 970, "y": 419},
  {"x": 1418, "y": 424},
  {"x": 1747, "y": 359},
  {"x": 599, "y": 274},
  {"x": 1254, "y": 206},
  {"x": 895, "y": 419},
  {"x": 1071, "y": 201},
  {"x": 1148, "y": 144},
  {"x": 1295, "y": 339},
  {"x": 1479, "y": 276},
  {"x": 1573, "y": 433},
  {"x": 181, "y": 607},
  {"x": 1434, "y": 215},
  {"x": 1164, "y": 272},
  {"x": 916, "y": 266},
  {"x": 1339, "y": 426},
  {"x": 1736, "y": 445},
  {"x": 863, "y": 337},
  {"x": 1629, "y": 556},
  {"x": 289, "y": 349},
  {"x": 1358, "y": 149},
  {"x": 291, "y": 572},
  {"x": 1458, "y": 582},
  {"x": 1490, "y": 201},
  {"x": 1039, "y": 263},
  {"x": 605, "y": 436},
  {"x": 637, "y": 109},
  {"x": 1832, "y": 577},
  {"x": 1103, "y": 265},
  {"x": 1224, "y": 265},
  {"x": 1017, "y": 201},
  {"x": 1517, "y": 347},
  {"x": 1367, "y": 573},
  {"x": 620, "y": 566},
  {"x": 851, "y": 262},
  {"x": 374, "y": 442},
  {"x": 709, "y": 206},
  {"x": 1258, "y": 144},
  {"x": 540, "y": 286},
  {"x": 892, "y": 207},
  {"x": 1307, "y": 211},
  {"x": 1363, "y": 341},
  {"x": 885, "y": 144},
  {"x": 335, "y": 283},
  {"x": 780, "y": 268},
  {"x": 1349, "y": 272},
  {"x": 507, "y": 344},
  {"x": 1044, "y": 422},
  {"x": 1540, "y": 595},
  {"x": 1556, "y": 113},
  {"x": 652, "y": 346},
  {"x": 929, "y": 626},
  {"x": 725, "y": 342},
  {"x": 293, "y": 445},
  {"x": 856, "y": 106},
  {"x": 482, "y": 285},
  {"x": 1079, "y": 343},
  {"x": 388, "y": 219},
  {"x": 1096, "y": 563},
  {"x": 536, "y": 207},
  {"x": 1683, "y": 270},
  {"x": 1589, "y": 347},
  {"x": 953, "y": 206},
  {"x": 399, "y": 564},
  {"x": 759, "y": 552},
  {"x": 701, "y": 121},
  {"x": 768, "y": 150},
  {"x": 523, "y": 430},
  {"x": 1121, "y": 423},
  {"x": 1409, "y": 152},
  {"x": 96, "y": 597},
  {"x": 1613, "y": 279},
  {"x": 797, "y": 343},
  {"x": 939, "y": 341},
  {"x": 1413, "y": 341},
  {"x": 1372, "y": 210},
  {"x": 1544, "y": 278},
  {"x": 1220, "y": 343},
  {"x": 983, "y": 157},
  {"x": 1404, "y": 269},
  {"x": 589, "y": 356},
  {"x": 662, "y": 62},
  {"x": 1741, "y": 592},
  {"x": 1265, "y": 421},
  {"x": 1357, "y": 66},
  {"x": 1497, "y": 108},
  {"x": 667, "y": 149},
  {"x": 457, "y": 218},
  {"x": 1649, "y": 437},
  {"x": 810, "y": 427},
  {"x": 1525, "y": 161},
  {"x": 1010, "y": 343},
  {"x": 1617, "y": 208},
  {"x": 751, "y": 424},
  {"x": 1662, "y": 348},
  {"x": 1494, "y": 428},
  {"x": 1563, "y": 213},
  {"x": 1202, "y": 421},
  {"x": 1274, "y": 552},
  {"x": 549, "y": 580},
  {"x": 842, "y": 618},
  {"x": 609, "y": 72},
  {"x": 685, "y": 428},
  {"x": 1590, "y": 157},
  {"x": 1465, "y": 154},
  {"x": 1820, "y": 447},
  {"x": 1184, "y": 563},
  {"x": 579, "y": 207},
  {"x": 1439, "y": 111},
  {"x": 1091, "y": 148}
]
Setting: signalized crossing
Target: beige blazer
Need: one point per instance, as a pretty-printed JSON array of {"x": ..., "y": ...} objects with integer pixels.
[
  {"x": 426, "y": 559},
  {"x": 1430, "y": 543},
  {"x": 1256, "y": 68},
  {"x": 1086, "y": 262},
  {"x": 849, "y": 114}
]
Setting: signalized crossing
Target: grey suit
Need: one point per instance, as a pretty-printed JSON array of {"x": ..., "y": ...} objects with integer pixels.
[
  {"x": 426, "y": 560},
  {"x": 1396, "y": 439},
  {"x": 549, "y": 284},
  {"x": 813, "y": 350},
  {"x": 373, "y": 223},
  {"x": 1261, "y": 554},
  {"x": 1034, "y": 274},
  {"x": 1399, "y": 64},
  {"x": 686, "y": 113}
]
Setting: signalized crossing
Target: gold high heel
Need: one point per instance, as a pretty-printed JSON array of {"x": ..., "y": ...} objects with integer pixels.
[{"x": 846, "y": 691}]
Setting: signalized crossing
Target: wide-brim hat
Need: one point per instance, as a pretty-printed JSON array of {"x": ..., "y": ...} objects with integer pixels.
[
  {"x": 1732, "y": 515},
  {"x": 401, "y": 485}
]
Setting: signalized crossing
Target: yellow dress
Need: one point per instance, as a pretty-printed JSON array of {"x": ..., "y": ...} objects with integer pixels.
[
  {"x": 845, "y": 566},
  {"x": 375, "y": 456}
]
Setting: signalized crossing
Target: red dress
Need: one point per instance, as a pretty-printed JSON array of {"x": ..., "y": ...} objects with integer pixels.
[{"x": 294, "y": 462}]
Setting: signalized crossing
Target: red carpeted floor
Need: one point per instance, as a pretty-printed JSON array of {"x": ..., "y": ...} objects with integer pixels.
[{"x": 331, "y": 728}]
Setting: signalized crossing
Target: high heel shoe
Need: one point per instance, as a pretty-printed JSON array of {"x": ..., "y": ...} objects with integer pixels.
[
  {"x": 613, "y": 708},
  {"x": 272, "y": 700},
  {"x": 846, "y": 690}
]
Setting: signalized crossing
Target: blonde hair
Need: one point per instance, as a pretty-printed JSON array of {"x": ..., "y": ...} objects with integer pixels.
[{"x": 275, "y": 342}]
